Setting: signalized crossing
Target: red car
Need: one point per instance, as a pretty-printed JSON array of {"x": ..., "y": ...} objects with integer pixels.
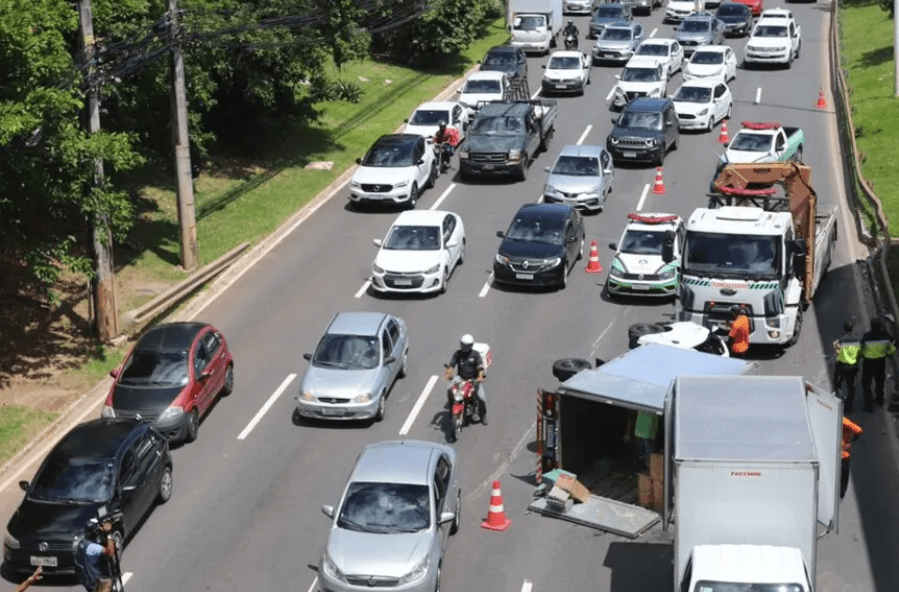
[
  {"x": 171, "y": 378},
  {"x": 755, "y": 6}
]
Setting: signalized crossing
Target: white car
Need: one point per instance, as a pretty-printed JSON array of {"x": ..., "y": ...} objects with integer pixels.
[
  {"x": 567, "y": 72},
  {"x": 395, "y": 170},
  {"x": 678, "y": 10},
  {"x": 425, "y": 119},
  {"x": 666, "y": 52},
  {"x": 578, "y": 6},
  {"x": 711, "y": 62},
  {"x": 419, "y": 252},
  {"x": 483, "y": 87},
  {"x": 639, "y": 81},
  {"x": 686, "y": 335},
  {"x": 700, "y": 104},
  {"x": 648, "y": 256},
  {"x": 776, "y": 38}
]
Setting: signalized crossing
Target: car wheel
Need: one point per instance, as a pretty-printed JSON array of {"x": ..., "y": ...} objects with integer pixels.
[
  {"x": 638, "y": 330},
  {"x": 523, "y": 173},
  {"x": 228, "y": 387},
  {"x": 119, "y": 538},
  {"x": 798, "y": 156},
  {"x": 729, "y": 109},
  {"x": 457, "y": 519},
  {"x": 711, "y": 124},
  {"x": 432, "y": 178},
  {"x": 165, "y": 485},
  {"x": 797, "y": 328},
  {"x": 413, "y": 196},
  {"x": 565, "y": 368},
  {"x": 382, "y": 408},
  {"x": 193, "y": 425},
  {"x": 580, "y": 250},
  {"x": 798, "y": 48},
  {"x": 437, "y": 584},
  {"x": 563, "y": 283},
  {"x": 446, "y": 273},
  {"x": 676, "y": 144},
  {"x": 461, "y": 254},
  {"x": 405, "y": 367}
]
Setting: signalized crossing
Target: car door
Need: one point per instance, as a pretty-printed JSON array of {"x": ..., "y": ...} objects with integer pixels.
[
  {"x": 442, "y": 503},
  {"x": 450, "y": 248},
  {"x": 204, "y": 371},
  {"x": 638, "y": 37},
  {"x": 399, "y": 347},
  {"x": 608, "y": 171},
  {"x": 199, "y": 359},
  {"x": 148, "y": 452},
  {"x": 388, "y": 370},
  {"x": 217, "y": 365},
  {"x": 127, "y": 495},
  {"x": 459, "y": 122},
  {"x": 730, "y": 64},
  {"x": 422, "y": 163},
  {"x": 719, "y": 107},
  {"x": 681, "y": 236},
  {"x": 677, "y": 56}
]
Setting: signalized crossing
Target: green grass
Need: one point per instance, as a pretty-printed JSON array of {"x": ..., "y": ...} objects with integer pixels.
[
  {"x": 103, "y": 359},
  {"x": 18, "y": 425}
]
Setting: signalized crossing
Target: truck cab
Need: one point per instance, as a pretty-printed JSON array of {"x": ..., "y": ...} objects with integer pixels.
[
  {"x": 535, "y": 24},
  {"x": 714, "y": 568}
]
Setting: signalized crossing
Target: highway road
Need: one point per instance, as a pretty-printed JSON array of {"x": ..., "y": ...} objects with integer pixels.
[{"x": 245, "y": 514}]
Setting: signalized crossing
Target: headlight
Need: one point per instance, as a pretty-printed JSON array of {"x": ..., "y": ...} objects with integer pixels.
[
  {"x": 170, "y": 414},
  {"x": 655, "y": 92},
  {"x": 650, "y": 142},
  {"x": 703, "y": 112},
  {"x": 552, "y": 262},
  {"x": 433, "y": 269},
  {"x": 375, "y": 268},
  {"x": 363, "y": 398},
  {"x": 502, "y": 260},
  {"x": 613, "y": 140},
  {"x": 10, "y": 542},
  {"x": 668, "y": 274},
  {"x": 463, "y": 154},
  {"x": 401, "y": 184},
  {"x": 355, "y": 183},
  {"x": 307, "y": 396},
  {"x": 107, "y": 411},
  {"x": 418, "y": 572},
  {"x": 549, "y": 189},
  {"x": 331, "y": 568},
  {"x": 514, "y": 154}
]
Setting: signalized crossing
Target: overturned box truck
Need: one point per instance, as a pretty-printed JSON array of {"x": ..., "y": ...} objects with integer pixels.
[{"x": 750, "y": 463}]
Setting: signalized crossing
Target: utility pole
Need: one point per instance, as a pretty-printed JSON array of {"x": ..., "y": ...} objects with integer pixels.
[
  {"x": 186, "y": 213},
  {"x": 103, "y": 291}
]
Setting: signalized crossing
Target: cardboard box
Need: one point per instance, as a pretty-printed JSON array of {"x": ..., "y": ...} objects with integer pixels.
[
  {"x": 559, "y": 500},
  {"x": 569, "y": 483},
  {"x": 657, "y": 465},
  {"x": 644, "y": 490},
  {"x": 658, "y": 494}
]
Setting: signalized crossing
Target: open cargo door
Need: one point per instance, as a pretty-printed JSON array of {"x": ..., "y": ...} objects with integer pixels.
[{"x": 825, "y": 414}]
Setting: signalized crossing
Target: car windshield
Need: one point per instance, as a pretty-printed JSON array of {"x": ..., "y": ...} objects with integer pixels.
[
  {"x": 564, "y": 63},
  {"x": 729, "y": 9},
  {"x": 499, "y": 58},
  {"x": 537, "y": 230},
  {"x": 65, "y": 479},
  {"x": 729, "y": 254},
  {"x": 750, "y": 142},
  {"x": 347, "y": 352},
  {"x": 642, "y": 242},
  {"x": 639, "y": 119},
  {"x": 616, "y": 35},
  {"x": 498, "y": 126},
  {"x": 155, "y": 368},
  {"x": 389, "y": 155},
  {"x": 385, "y": 508},
  {"x": 641, "y": 75},
  {"x": 429, "y": 117},
  {"x": 712, "y": 586},
  {"x": 770, "y": 31},
  {"x": 482, "y": 86},
  {"x": 695, "y": 26},
  {"x": 652, "y": 49},
  {"x": 529, "y": 23},
  {"x": 609, "y": 12},
  {"x": 413, "y": 238},
  {"x": 707, "y": 57},
  {"x": 577, "y": 166},
  {"x": 693, "y": 94}
]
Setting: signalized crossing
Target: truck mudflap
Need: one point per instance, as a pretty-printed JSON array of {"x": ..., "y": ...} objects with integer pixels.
[{"x": 604, "y": 514}]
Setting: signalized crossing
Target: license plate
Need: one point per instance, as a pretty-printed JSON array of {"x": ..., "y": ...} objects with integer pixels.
[
  {"x": 488, "y": 167},
  {"x": 524, "y": 276},
  {"x": 640, "y": 287},
  {"x": 607, "y": 54},
  {"x": 402, "y": 282},
  {"x": 630, "y": 155},
  {"x": 43, "y": 561},
  {"x": 331, "y": 411}
]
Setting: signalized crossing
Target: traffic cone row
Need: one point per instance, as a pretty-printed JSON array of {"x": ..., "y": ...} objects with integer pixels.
[
  {"x": 723, "y": 138},
  {"x": 659, "y": 187},
  {"x": 822, "y": 104},
  {"x": 593, "y": 264},
  {"x": 496, "y": 515}
]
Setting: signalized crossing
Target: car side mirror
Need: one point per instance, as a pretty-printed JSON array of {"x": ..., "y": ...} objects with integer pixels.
[
  {"x": 459, "y": 90},
  {"x": 23, "y": 485},
  {"x": 129, "y": 488},
  {"x": 571, "y": 239},
  {"x": 206, "y": 373},
  {"x": 328, "y": 510},
  {"x": 358, "y": 161},
  {"x": 547, "y": 169},
  {"x": 614, "y": 120},
  {"x": 114, "y": 373},
  {"x": 389, "y": 360},
  {"x": 608, "y": 171},
  {"x": 378, "y": 242},
  {"x": 420, "y": 161},
  {"x": 613, "y": 246},
  {"x": 668, "y": 247},
  {"x": 446, "y": 517},
  {"x": 406, "y": 120},
  {"x": 500, "y": 234},
  {"x": 617, "y": 76},
  {"x": 307, "y": 356},
  {"x": 543, "y": 66}
]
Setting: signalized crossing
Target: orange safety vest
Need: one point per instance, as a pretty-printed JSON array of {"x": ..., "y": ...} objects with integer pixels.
[
  {"x": 739, "y": 332},
  {"x": 850, "y": 431}
]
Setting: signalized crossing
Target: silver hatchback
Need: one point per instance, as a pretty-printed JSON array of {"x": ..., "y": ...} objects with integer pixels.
[
  {"x": 617, "y": 43},
  {"x": 354, "y": 366},
  {"x": 581, "y": 177},
  {"x": 700, "y": 29},
  {"x": 389, "y": 531}
]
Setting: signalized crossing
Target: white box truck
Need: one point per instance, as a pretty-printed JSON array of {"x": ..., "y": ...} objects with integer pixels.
[{"x": 535, "y": 24}]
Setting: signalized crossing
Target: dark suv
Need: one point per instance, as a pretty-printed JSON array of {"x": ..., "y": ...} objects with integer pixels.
[
  {"x": 507, "y": 59},
  {"x": 644, "y": 131}
]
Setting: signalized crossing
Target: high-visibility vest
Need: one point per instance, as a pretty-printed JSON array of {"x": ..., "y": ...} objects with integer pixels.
[
  {"x": 848, "y": 351},
  {"x": 878, "y": 348},
  {"x": 850, "y": 430}
]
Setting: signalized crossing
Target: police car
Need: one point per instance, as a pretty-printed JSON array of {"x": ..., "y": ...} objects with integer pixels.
[{"x": 648, "y": 256}]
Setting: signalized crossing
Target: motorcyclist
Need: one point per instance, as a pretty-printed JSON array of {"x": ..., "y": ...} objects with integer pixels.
[
  {"x": 447, "y": 135},
  {"x": 570, "y": 29},
  {"x": 470, "y": 366},
  {"x": 92, "y": 561}
]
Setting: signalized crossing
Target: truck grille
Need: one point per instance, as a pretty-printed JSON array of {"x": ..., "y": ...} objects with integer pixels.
[
  {"x": 499, "y": 157},
  {"x": 403, "y": 281},
  {"x": 376, "y": 188}
]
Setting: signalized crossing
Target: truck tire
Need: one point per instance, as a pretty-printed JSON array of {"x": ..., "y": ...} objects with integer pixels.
[
  {"x": 797, "y": 328},
  {"x": 523, "y": 173},
  {"x": 567, "y": 367},
  {"x": 638, "y": 330}
]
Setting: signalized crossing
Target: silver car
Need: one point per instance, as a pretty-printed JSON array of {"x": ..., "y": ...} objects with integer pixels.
[
  {"x": 389, "y": 531},
  {"x": 617, "y": 43},
  {"x": 354, "y": 366},
  {"x": 581, "y": 177},
  {"x": 700, "y": 29}
]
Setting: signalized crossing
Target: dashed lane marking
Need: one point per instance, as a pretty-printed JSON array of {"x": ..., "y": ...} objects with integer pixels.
[
  {"x": 643, "y": 197},
  {"x": 442, "y": 196},
  {"x": 418, "y": 405},
  {"x": 584, "y": 135},
  {"x": 268, "y": 404},
  {"x": 486, "y": 287},
  {"x": 363, "y": 289},
  {"x": 758, "y": 95}
]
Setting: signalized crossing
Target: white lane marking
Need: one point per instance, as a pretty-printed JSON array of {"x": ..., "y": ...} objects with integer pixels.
[
  {"x": 443, "y": 196},
  {"x": 271, "y": 401},
  {"x": 363, "y": 289},
  {"x": 526, "y": 586},
  {"x": 758, "y": 95},
  {"x": 643, "y": 197},
  {"x": 584, "y": 135},
  {"x": 418, "y": 405},
  {"x": 314, "y": 584},
  {"x": 611, "y": 92},
  {"x": 487, "y": 484},
  {"x": 653, "y": 34},
  {"x": 126, "y": 576},
  {"x": 486, "y": 287},
  {"x": 606, "y": 330},
  {"x": 536, "y": 92}
]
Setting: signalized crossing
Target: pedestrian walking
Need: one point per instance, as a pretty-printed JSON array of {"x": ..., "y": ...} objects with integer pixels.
[
  {"x": 876, "y": 346},
  {"x": 739, "y": 332},
  {"x": 851, "y": 433},
  {"x": 847, "y": 348}
]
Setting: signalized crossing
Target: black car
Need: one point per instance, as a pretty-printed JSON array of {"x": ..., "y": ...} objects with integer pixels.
[
  {"x": 105, "y": 464},
  {"x": 508, "y": 59},
  {"x": 609, "y": 14},
  {"x": 541, "y": 246},
  {"x": 646, "y": 129},
  {"x": 736, "y": 17}
]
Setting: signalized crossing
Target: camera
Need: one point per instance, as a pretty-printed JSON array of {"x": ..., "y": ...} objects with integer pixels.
[{"x": 95, "y": 526}]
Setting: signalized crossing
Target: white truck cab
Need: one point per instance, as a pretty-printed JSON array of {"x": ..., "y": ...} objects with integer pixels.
[{"x": 715, "y": 568}]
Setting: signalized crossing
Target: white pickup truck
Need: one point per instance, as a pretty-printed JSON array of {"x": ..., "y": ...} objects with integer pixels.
[
  {"x": 765, "y": 142},
  {"x": 776, "y": 39}
]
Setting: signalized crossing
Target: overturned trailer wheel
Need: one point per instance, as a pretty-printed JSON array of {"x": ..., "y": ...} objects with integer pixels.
[
  {"x": 638, "y": 330},
  {"x": 567, "y": 367}
]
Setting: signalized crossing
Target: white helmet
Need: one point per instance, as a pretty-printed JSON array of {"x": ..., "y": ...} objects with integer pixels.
[{"x": 467, "y": 340}]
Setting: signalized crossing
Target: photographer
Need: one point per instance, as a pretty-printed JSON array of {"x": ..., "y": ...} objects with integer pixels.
[{"x": 93, "y": 561}]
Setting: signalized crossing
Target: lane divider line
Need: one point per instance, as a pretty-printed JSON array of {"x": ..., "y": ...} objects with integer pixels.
[
  {"x": 758, "y": 95},
  {"x": 418, "y": 405},
  {"x": 527, "y": 586},
  {"x": 611, "y": 92},
  {"x": 536, "y": 93},
  {"x": 654, "y": 31},
  {"x": 606, "y": 330},
  {"x": 442, "y": 196},
  {"x": 314, "y": 584},
  {"x": 486, "y": 287},
  {"x": 503, "y": 468},
  {"x": 268, "y": 404},
  {"x": 367, "y": 283},
  {"x": 643, "y": 197},
  {"x": 584, "y": 135},
  {"x": 126, "y": 576}
]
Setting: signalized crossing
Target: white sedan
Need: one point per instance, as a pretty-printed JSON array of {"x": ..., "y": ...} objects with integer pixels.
[
  {"x": 567, "y": 72},
  {"x": 700, "y": 104},
  {"x": 712, "y": 61},
  {"x": 427, "y": 116},
  {"x": 420, "y": 251},
  {"x": 666, "y": 52}
]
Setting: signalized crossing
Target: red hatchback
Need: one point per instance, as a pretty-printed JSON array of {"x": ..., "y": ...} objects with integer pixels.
[
  {"x": 755, "y": 6},
  {"x": 172, "y": 377}
]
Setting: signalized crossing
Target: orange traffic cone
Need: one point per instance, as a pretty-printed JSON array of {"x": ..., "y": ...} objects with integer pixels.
[
  {"x": 593, "y": 264},
  {"x": 723, "y": 138},
  {"x": 822, "y": 104},
  {"x": 496, "y": 516},
  {"x": 659, "y": 187}
]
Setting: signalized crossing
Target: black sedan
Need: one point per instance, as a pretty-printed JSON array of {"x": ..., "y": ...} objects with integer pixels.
[
  {"x": 736, "y": 17},
  {"x": 114, "y": 465},
  {"x": 508, "y": 59},
  {"x": 541, "y": 246}
]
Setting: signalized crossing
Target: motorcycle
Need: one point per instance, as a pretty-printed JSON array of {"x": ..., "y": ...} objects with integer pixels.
[
  {"x": 465, "y": 404},
  {"x": 570, "y": 41},
  {"x": 441, "y": 151}
]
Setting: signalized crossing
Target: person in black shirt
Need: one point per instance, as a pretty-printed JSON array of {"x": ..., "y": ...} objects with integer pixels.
[{"x": 470, "y": 366}]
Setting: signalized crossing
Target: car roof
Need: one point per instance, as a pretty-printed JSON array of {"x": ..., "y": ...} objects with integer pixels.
[
  {"x": 437, "y": 105},
  {"x": 398, "y": 461},
  {"x": 581, "y": 150},
  {"x": 421, "y": 218},
  {"x": 566, "y": 53},
  {"x": 711, "y": 49},
  {"x": 658, "y": 41},
  {"x": 641, "y": 61},
  {"x": 99, "y": 438},
  {"x": 356, "y": 323},
  {"x": 776, "y": 13},
  {"x": 169, "y": 337},
  {"x": 396, "y": 140},
  {"x": 486, "y": 75},
  {"x": 648, "y": 104},
  {"x": 702, "y": 83},
  {"x": 534, "y": 210},
  {"x": 615, "y": 4},
  {"x": 503, "y": 49},
  {"x": 631, "y": 26}
]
